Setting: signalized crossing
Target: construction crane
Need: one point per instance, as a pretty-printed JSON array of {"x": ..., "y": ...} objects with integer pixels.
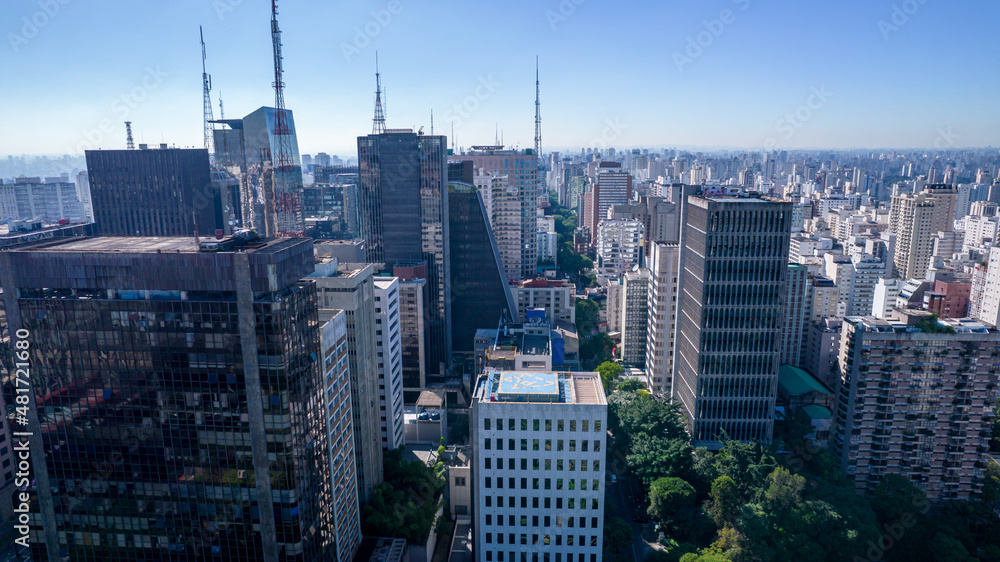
[
  {"x": 206, "y": 82},
  {"x": 284, "y": 210}
]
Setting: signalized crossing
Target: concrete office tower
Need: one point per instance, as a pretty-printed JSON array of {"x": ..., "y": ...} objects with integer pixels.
[
  {"x": 479, "y": 288},
  {"x": 513, "y": 207},
  {"x": 156, "y": 192},
  {"x": 734, "y": 256},
  {"x": 340, "y": 435},
  {"x": 351, "y": 288},
  {"x": 659, "y": 215},
  {"x": 795, "y": 314},
  {"x": 403, "y": 196},
  {"x": 916, "y": 401},
  {"x": 556, "y": 296},
  {"x": 186, "y": 372},
  {"x": 49, "y": 202},
  {"x": 390, "y": 361},
  {"x": 612, "y": 186},
  {"x": 539, "y": 470},
  {"x": 635, "y": 317},
  {"x": 619, "y": 248},
  {"x": 915, "y": 219},
  {"x": 244, "y": 147},
  {"x": 662, "y": 305}
]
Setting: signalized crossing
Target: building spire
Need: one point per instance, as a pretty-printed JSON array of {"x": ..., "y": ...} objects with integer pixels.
[{"x": 378, "y": 123}]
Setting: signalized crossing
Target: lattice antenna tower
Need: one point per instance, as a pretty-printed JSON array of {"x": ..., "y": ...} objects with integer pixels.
[
  {"x": 206, "y": 81},
  {"x": 378, "y": 123}
]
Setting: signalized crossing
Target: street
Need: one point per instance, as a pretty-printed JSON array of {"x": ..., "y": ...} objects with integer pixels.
[{"x": 627, "y": 500}]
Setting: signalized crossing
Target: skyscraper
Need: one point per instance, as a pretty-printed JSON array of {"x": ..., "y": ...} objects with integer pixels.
[
  {"x": 662, "y": 306},
  {"x": 478, "y": 283},
  {"x": 635, "y": 317},
  {"x": 731, "y": 307},
  {"x": 403, "y": 204},
  {"x": 174, "y": 395},
  {"x": 612, "y": 186},
  {"x": 350, "y": 288},
  {"x": 390, "y": 361},
  {"x": 512, "y": 204},
  {"x": 915, "y": 219},
  {"x": 154, "y": 192}
]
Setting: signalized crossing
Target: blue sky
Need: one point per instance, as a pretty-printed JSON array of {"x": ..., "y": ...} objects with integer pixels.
[{"x": 890, "y": 73}]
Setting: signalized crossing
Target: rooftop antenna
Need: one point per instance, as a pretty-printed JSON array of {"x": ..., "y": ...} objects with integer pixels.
[
  {"x": 378, "y": 123},
  {"x": 285, "y": 203},
  {"x": 129, "y": 143},
  {"x": 206, "y": 81},
  {"x": 453, "y": 137},
  {"x": 432, "y": 121},
  {"x": 538, "y": 116},
  {"x": 496, "y": 134},
  {"x": 222, "y": 112}
]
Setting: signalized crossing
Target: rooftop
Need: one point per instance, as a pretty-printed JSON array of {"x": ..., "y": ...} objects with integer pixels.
[
  {"x": 797, "y": 381},
  {"x": 540, "y": 388},
  {"x": 152, "y": 245}
]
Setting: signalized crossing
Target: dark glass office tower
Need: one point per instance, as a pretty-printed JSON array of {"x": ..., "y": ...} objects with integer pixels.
[
  {"x": 734, "y": 255},
  {"x": 178, "y": 399},
  {"x": 403, "y": 209},
  {"x": 155, "y": 192},
  {"x": 479, "y": 289}
]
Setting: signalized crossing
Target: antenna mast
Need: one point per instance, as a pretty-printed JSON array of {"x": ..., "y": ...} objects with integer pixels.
[
  {"x": 538, "y": 128},
  {"x": 378, "y": 123},
  {"x": 129, "y": 143},
  {"x": 285, "y": 211},
  {"x": 206, "y": 81}
]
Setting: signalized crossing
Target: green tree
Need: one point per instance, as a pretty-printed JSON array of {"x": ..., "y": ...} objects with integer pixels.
[
  {"x": 596, "y": 349},
  {"x": 945, "y": 548},
  {"x": 657, "y": 457},
  {"x": 610, "y": 374},
  {"x": 617, "y": 534},
  {"x": 631, "y": 385},
  {"x": 895, "y": 496},
  {"x": 631, "y": 415},
  {"x": 991, "y": 483},
  {"x": 705, "y": 557},
  {"x": 995, "y": 437},
  {"x": 670, "y": 498},
  {"x": 725, "y": 501},
  {"x": 587, "y": 312}
]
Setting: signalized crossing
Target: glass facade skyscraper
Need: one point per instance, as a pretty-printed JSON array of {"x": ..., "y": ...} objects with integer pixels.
[
  {"x": 177, "y": 399},
  {"x": 403, "y": 209}
]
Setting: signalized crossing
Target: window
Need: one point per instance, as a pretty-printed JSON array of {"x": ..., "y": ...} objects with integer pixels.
[
  {"x": 489, "y": 501},
  {"x": 488, "y": 443},
  {"x": 524, "y": 425},
  {"x": 548, "y": 425},
  {"x": 572, "y": 425},
  {"x": 535, "y": 424},
  {"x": 534, "y": 444},
  {"x": 489, "y": 521},
  {"x": 583, "y": 425},
  {"x": 486, "y": 424},
  {"x": 548, "y": 464},
  {"x": 489, "y": 482},
  {"x": 524, "y": 464},
  {"x": 597, "y": 425},
  {"x": 583, "y": 465},
  {"x": 559, "y": 445},
  {"x": 489, "y": 461},
  {"x": 597, "y": 466},
  {"x": 524, "y": 444},
  {"x": 572, "y": 444},
  {"x": 548, "y": 444},
  {"x": 510, "y": 424},
  {"x": 559, "y": 425},
  {"x": 460, "y": 481},
  {"x": 559, "y": 464},
  {"x": 597, "y": 446}
]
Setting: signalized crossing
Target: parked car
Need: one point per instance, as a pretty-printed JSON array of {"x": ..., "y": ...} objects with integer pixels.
[
  {"x": 435, "y": 415},
  {"x": 424, "y": 416}
]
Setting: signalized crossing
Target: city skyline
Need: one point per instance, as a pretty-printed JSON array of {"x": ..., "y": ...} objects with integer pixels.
[{"x": 674, "y": 63}]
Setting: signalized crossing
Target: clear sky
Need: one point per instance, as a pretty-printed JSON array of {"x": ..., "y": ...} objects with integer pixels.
[{"x": 876, "y": 73}]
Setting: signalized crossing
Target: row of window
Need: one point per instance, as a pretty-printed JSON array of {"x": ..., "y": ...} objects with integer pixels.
[
  {"x": 544, "y": 540},
  {"x": 571, "y": 503},
  {"x": 546, "y": 482},
  {"x": 536, "y": 464},
  {"x": 546, "y": 520},
  {"x": 536, "y": 425},
  {"x": 535, "y": 444}
]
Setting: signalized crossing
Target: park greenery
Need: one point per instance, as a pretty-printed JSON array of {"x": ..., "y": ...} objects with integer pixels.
[
  {"x": 752, "y": 502},
  {"x": 405, "y": 504}
]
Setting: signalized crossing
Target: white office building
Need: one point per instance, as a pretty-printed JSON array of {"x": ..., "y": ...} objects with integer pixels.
[
  {"x": 539, "y": 471},
  {"x": 390, "y": 361},
  {"x": 619, "y": 247},
  {"x": 662, "y": 306}
]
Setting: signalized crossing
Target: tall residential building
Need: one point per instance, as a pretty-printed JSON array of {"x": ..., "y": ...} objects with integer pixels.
[
  {"x": 662, "y": 307},
  {"x": 635, "y": 317},
  {"x": 390, "y": 361},
  {"x": 340, "y": 435},
  {"x": 351, "y": 288},
  {"x": 795, "y": 315},
  {"x": 50, "y": 201},
  {"x": 619, "y": 247},
  {"x": 612, "y": 186},
  {"x": 884, "y": 300},
  {"x": 915, "y": 219},
  {"x": 539, "y": 470},
  {"x": 189, "y": 377},
  {"x": 412, "y": 318},
  {"x": 155, "y": 192},
  {"x": 988, "y": 305},
  {"x": 404, "y": 221},
  {"x": 824, "y": 299},
  {"x": 734, "y": 255},
  {"x": 478, "y": 282},
  {"x": 512, "y": 177},
  {"x": 916, "y": 399}
]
